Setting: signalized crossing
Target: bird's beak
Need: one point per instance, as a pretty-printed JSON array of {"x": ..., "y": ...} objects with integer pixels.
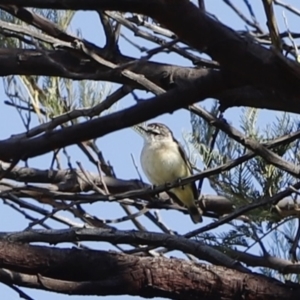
[{"x": 140, "y": 128}]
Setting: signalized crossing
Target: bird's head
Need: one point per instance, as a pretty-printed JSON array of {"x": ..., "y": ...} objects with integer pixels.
[{"x": 155, "y": 132}]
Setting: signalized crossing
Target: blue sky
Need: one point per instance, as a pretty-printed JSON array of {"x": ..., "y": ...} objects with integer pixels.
[{"x": 127, "y": 140}]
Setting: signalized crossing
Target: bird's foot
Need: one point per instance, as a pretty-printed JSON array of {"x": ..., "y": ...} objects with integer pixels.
[
  {"x": 167, "y": 184},
  {"x": 179, "y": 181},
  {"x": 153, "y": 187}
]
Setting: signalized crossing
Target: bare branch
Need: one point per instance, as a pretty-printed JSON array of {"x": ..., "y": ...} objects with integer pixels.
[
  {"x": 198, "y": 249},
  {"x": 167, "y": 102},
  {"x": 272, "y": 25},
  {"x": 263, "y": 67},
  {"x": 240, "y": 211},
  {"x": 251, "y": 144},
  {"x": 73, "y": 271}
]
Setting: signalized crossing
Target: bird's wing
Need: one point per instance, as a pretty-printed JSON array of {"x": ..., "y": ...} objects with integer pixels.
[{"x": 189, "y": 165}]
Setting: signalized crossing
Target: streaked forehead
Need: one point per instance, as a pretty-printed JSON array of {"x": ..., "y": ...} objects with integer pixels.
[
  {"x": 158, "y": 126},
  {"x": 159, "y": 129}
]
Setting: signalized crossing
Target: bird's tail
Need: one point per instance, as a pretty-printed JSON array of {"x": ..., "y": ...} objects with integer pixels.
[{"x": 195, "y": 214}]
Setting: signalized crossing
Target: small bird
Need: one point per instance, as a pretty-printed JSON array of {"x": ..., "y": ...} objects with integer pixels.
[{"x": 163, "y": 160}]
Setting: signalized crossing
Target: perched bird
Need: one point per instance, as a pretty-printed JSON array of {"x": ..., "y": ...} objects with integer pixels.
[{"x": 163, "y": 161}]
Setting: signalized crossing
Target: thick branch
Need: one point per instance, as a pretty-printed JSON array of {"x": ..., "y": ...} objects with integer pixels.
[
  {"x": 220, "y": 42},
  {"x": 145, "y": 110},
  {"x": 171, "y": 242},
  {"x": 64, "y": 63},
  {"x": 72, "y": 64},
  {"x": 87, "y": 272},
  {"x": 113, "y": 236}
]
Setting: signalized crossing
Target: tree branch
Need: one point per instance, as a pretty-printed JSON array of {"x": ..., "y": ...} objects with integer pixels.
[
  {"x": 235, "y": 54},
  {"x": 73, "y": 271},
  {"x": 175, "y": 242},
  {"x": 145, "y": 110}
]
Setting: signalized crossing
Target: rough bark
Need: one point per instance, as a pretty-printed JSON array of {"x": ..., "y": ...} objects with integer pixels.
[
  {"x": 63, "y": 63},
  {"x": 262, "y": 66},
  {"x": 87, "y": 272}
]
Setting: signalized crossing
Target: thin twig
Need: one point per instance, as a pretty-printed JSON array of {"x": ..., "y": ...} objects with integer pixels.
[{"x": 295, "y": 244}]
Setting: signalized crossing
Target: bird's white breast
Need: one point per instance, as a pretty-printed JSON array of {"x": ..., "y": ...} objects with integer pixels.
[{"x": 162, "y": 162}]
